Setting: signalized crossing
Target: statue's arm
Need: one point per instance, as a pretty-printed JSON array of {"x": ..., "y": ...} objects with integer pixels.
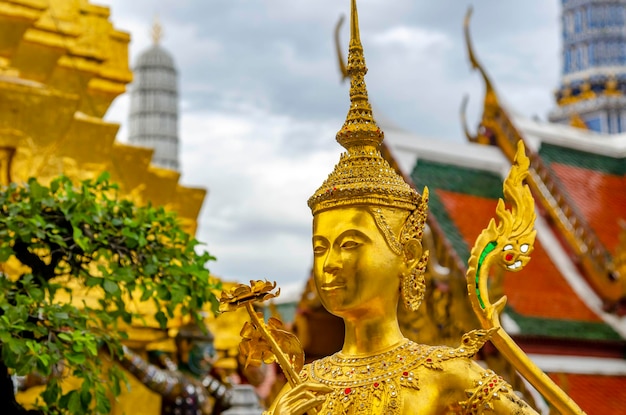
[
  {"x": 163, "y": 382},
  {"x": 511, "y": 404},
  {"x": 170, "y": 384},
  {"x": 490, "y": 393}
]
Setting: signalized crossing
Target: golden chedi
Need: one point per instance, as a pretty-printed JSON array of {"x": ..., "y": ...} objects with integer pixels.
[{"x": 367, "y": 229}]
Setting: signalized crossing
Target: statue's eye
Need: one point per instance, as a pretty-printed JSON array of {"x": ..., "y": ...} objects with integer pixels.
[
  {"x": 319, "y": 249},
  {"x": 349, "y": 244},
  {"x": 524, "y": 248},
  {"x": 507, "y": 247}
]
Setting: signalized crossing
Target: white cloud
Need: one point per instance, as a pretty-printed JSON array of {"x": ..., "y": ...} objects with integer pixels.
[
  {"x": 412, "y": 38},
  {"x": 255, "y": 218}
]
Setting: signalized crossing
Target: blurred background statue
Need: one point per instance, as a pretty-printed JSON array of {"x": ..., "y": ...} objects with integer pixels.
[{"x": 187, "y": 385}]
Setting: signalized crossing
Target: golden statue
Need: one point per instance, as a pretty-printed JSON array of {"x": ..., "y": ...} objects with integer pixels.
[
  {"x": 367, "y": 230},
  {"x": 368, "y": 225}
]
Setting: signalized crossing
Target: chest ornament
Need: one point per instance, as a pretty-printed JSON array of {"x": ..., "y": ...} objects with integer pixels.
[{"x": 375, "y": 384}]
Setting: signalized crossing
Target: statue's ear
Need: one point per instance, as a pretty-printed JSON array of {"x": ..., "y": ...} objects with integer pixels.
[{"x": 412, "y": 252}]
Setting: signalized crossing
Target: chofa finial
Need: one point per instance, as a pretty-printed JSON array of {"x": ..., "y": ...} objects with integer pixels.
[{"x": 359, "y": 129}]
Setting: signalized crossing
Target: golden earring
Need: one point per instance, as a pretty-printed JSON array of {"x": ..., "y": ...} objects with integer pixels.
[{"x": 413, "y": 286}]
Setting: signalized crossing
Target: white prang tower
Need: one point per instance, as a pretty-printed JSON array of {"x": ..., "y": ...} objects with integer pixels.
[{"x": 153, "y": 118}]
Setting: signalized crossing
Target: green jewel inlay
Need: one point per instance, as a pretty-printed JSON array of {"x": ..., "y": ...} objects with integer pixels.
[{"x": 488, "y": 249}]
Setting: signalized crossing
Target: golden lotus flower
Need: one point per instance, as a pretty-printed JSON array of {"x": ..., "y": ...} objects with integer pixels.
[
  {"x": 264, "y": 342},
  {"x": 242, "y": 294},
  {"x": 256, "y": 348}
]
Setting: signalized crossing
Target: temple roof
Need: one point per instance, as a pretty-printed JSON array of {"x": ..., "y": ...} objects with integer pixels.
[
  {"x": 538, "y": 132},
  {"x": 549, "y": 297},
  {"x": 595, "y": 394}
]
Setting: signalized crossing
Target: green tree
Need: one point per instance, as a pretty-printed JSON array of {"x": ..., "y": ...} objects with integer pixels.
[{"x": 114, "y": 249}]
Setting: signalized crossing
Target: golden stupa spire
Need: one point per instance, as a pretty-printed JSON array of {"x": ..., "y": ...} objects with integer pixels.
[
  {"x": 360, "y": 129},
  {"x": 157, "y": 31}
]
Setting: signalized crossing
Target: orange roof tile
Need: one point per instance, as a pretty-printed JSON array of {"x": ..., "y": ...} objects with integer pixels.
[
  {"x": 595, "y": 394},
  {"x": 599, "y": 197},
  {"x": 537, "y": 291}
]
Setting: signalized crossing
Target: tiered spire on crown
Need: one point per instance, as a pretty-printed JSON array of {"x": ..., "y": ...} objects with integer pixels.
[
  {"x": 359, "y": 129},
  {"x": 362, "y": 176}
]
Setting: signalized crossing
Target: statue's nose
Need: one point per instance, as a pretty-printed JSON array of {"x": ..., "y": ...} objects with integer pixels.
[
  {"x": 331, "y": 269},
  {"x": 332, "y": 265}
]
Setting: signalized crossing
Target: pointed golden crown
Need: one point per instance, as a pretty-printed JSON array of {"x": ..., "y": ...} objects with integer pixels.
[{"x": 362, "y": 176}]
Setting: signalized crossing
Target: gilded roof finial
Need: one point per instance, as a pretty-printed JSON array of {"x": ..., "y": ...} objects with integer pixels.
[
  {"x": 359, "y": 129},
  {"x": 491, "y": 100},
  {"x": 157, "y": 30}
]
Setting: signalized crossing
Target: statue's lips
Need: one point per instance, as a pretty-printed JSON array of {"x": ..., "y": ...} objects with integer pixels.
[{"x": 332, "y": 286}]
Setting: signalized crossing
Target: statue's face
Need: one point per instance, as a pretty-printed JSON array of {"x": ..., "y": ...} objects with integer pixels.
[{"x": 356, "y": 273}]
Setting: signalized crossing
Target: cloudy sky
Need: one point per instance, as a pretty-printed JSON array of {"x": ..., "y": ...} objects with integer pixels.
[{"x": 261, "y": 99}]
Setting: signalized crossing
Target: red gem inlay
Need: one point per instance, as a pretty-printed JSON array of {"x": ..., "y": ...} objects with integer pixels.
[
  {"x": 429, "y": 360},
  {"x": 347, "y": 391},
  {"x": 508, "y": 257},
  {"x": 376, "y": 384},
  {"x": 405, "y": 373}
]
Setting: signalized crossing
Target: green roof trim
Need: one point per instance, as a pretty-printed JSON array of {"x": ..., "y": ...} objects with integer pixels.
[
  {"x": 459, "y": 180},
  {"x": 569, "y": 329},
  {"x": 436, "y": 208},
  {"x": 551, "y": 153}
]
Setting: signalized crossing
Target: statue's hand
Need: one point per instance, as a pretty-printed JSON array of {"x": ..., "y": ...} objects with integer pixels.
[{"x": 301, "y": 399}]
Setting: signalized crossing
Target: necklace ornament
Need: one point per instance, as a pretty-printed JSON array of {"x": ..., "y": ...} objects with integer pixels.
[{"x": 375, "y": 384}]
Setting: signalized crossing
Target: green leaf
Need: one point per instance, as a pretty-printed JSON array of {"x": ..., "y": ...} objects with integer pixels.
[
  {"x": 146, "y": 295},
  {"x": 61, "y": 316},
  {"x": 163, "y": 292},
  {"x": 85, "y": 398},
  {"x": 103, "y": 406},
  {"x": 150, "y": 269},
  {"x": 103, "y": 178},
  {"x": 92, "y": 281},
  {"x": 5, "y": 253},
  {"x": 161, "y": 318},
  {"x": 37, "y": 294},
  {"x": 44, "y": 358},
  {"x": 54, "y": 186},
  {"x": 36, "y": 190},
  {"x": 76, "y": 358},
  {"x": 92, "y": 348},
  {"x": 74, "y": 405},
  {"x": 80, "y": 240},
  {"x": 110, "y": 286},
  {"x": 125, "y": 274}
]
